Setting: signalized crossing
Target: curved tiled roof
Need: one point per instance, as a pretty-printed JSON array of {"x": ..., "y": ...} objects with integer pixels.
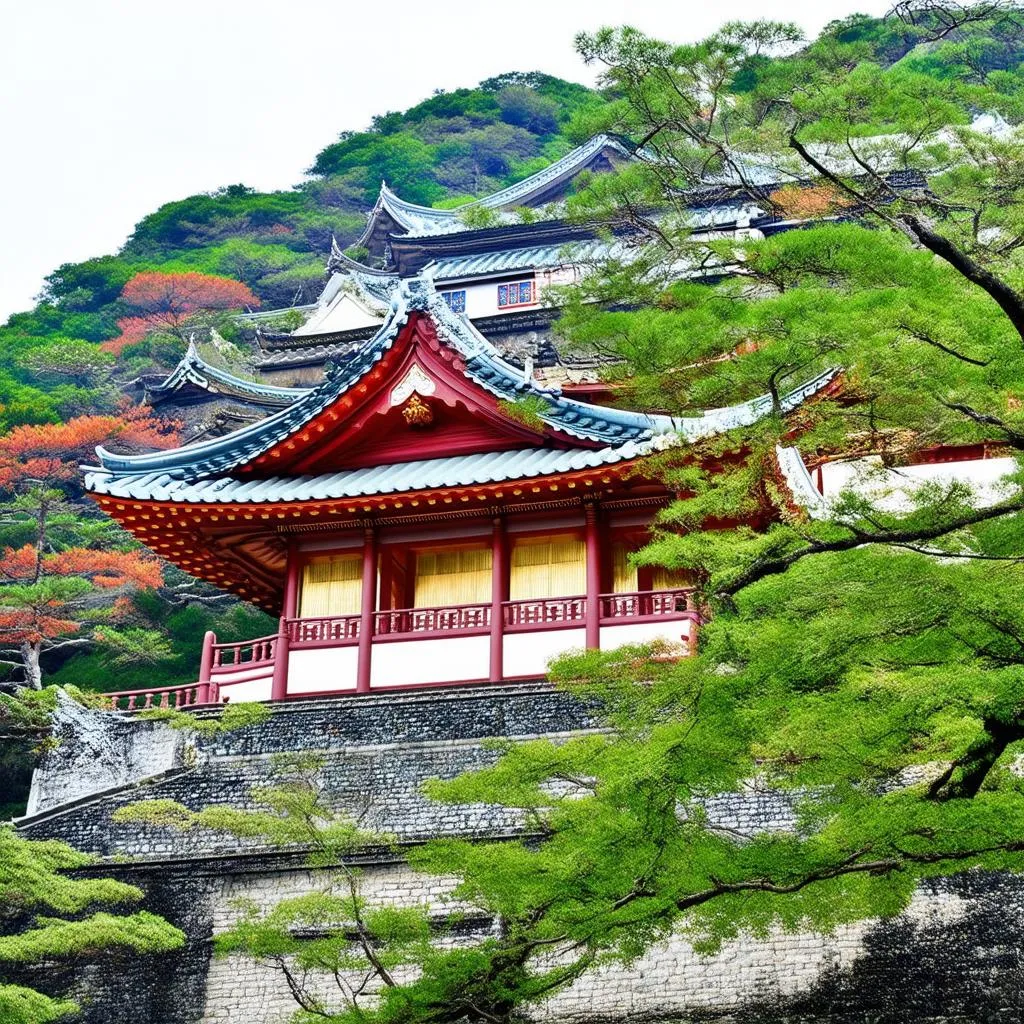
[
  {"x": 193, "y": 369},
  {"x": 424, "y": 474},
  {"x": 420, "y": 220},
  {"x": 483, "y": 364}
]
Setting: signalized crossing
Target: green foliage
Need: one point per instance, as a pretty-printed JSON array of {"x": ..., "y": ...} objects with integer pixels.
[
  {"x": 234, "y": 716},
  {"x": 20, "y": 1005},
  {"x": 469, "y": 141},
  {"x": 527, "y": 410},
  {"x": 37, "y": 898}
]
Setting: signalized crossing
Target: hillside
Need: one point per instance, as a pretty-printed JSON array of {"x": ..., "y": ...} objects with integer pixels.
[{"x": 446, "y": 149}]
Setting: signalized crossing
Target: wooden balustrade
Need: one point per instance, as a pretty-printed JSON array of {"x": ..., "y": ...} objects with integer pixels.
[
  {"x": 542, "y": 611},
  {"x": 248, "y": 652},
  {"x": 546, "y": 611},
  {"x": 452, "y": 619},
  {"x": 327, "y": 629},
  {"x": 647, "y": 604},
  {"x": 160, "y": 697},
  {"x": 522, "y": 616}
]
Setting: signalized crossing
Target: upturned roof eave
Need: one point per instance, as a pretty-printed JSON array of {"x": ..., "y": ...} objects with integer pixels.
[{"x": 568, "y": 417}]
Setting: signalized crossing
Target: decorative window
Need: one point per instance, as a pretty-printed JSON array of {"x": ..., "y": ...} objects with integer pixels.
[
  {"x": 518, "y": 293},
  {"x": 456, "y": 300}
]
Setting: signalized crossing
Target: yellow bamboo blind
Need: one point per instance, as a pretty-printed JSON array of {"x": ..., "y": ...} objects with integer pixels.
[
  {"x": 332, "y": 586},
  {"x": 670, "y": 579},
  {"x": 548, "y": 567},
  {"x": 455, "y": 576},
  {"x": 624, "y": 577}
]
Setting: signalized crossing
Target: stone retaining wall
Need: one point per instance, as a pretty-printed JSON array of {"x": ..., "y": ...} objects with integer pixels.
[{"x": 953, "y": 957}]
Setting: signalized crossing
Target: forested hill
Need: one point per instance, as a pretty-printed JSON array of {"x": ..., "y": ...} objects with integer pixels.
[
  {"x": 452, "y": 146},
  {"x": 442, "y": 151}
]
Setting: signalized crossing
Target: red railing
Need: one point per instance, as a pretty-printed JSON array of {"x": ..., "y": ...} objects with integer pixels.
[
  {"x": 647, "y": 604},
  {"x": 454, "y": 618},
  {"x": 223, "y": 664},
  {"x": 179, "y": 697},
  {"x": 249, "y": 652},
  {"x": 546, "y": 611},
  {"x": 328, "y": 629}
]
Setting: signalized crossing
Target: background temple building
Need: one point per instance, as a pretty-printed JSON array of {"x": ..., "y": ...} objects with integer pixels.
[{"x": 498, "y": 275}]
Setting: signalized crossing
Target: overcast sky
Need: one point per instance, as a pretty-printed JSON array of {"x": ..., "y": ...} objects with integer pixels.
[{"x": 109, "y": 108}]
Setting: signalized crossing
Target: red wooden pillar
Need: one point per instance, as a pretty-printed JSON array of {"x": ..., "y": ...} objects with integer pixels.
[
  {"x": 593, "y": 539},
  {"x": 279, "y": 681},
  {"x": 206, "y": 668},
  {"x": 291, "y": 584},
  {"x": 369, "y": 606},
  {"x": 499, "y": 594},
  {"x": 289, "y": 610}
]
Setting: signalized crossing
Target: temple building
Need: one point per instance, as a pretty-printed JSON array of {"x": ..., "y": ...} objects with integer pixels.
[
  {"x": 493, "y": 260},
  {"x": 422, "y": 486},
  {"x": 212, "y": 401},
  {"x": 428, "y": 514}
]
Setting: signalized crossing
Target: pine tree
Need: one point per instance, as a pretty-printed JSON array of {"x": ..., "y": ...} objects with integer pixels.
[{"x": 47, "y": 916}]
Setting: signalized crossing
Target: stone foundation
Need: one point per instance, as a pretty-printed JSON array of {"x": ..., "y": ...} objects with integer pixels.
[{"x": 952, "y": 957}]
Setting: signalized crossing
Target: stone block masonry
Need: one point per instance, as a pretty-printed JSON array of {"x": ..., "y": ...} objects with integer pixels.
[{"x": 952, "y": 958}]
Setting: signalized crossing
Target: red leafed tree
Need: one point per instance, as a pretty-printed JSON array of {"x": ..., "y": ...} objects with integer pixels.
[
  {"x": 169, "y": 301},
  {"x": 70, "y": 583},
  {"x": 52, "y": 452},
  {"x": 69, "y": 598}
]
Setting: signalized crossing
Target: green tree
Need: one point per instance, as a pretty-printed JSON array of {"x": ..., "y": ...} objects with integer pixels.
[{"x": 47, "y": 916}]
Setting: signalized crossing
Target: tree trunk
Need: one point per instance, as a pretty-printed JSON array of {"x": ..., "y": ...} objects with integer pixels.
[{"x": 30, "y": 661}]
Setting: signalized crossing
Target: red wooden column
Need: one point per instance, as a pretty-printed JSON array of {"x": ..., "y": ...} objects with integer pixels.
[
  {"x": 369, "y": 606},
  {"x": 593, "y": 539},
  {"x": 289, "y": 610},
  {"x": 291, "y": 584},
  {"x": 206, "y": 668},
  {"x": 499, "y": 594}
]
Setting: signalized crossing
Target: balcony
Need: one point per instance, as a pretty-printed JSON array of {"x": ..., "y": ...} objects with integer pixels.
[{"x": 415, "y": 647}]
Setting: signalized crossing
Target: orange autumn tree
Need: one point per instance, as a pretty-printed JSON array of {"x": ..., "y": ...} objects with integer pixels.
[
  {"x": 170, "y": 302},
  {"x": 67, "y": 580}
]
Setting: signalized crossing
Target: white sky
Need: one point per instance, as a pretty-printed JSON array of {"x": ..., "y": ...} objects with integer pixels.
[{"x": 109, "y": 108}]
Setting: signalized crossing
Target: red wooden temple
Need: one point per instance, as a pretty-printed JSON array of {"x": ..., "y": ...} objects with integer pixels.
[{"x": 413, "y": 522}]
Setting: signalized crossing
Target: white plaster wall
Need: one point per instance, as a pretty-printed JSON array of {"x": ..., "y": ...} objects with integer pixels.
[
  {"x": 482, "y": 296},
  {"x": 446, "y": 659},
  {"x": 528, "y": 654},
  {"x": 255, "y": 687},
  {"x": 676, "y": 631},
  {"x": 344, "y": 314},
  {"x": 322, "y": 668},
  {"x": 891, "y": 487}
]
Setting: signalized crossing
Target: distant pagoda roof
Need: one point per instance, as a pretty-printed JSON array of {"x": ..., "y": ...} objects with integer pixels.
[
  {"x": 193, "y": 371},
  {"x": 414, "y": 219}
]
